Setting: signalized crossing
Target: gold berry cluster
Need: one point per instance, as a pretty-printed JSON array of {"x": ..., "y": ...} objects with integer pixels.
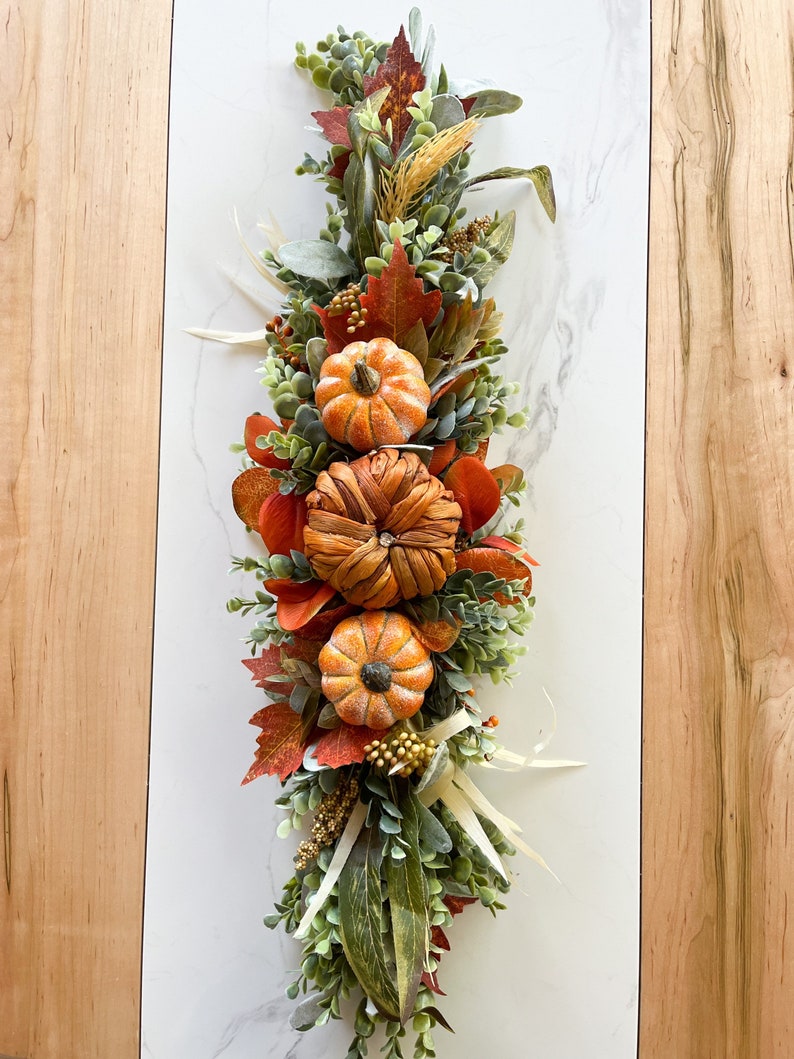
[
  {"x": 463, "y": 239},
  {"x": 346, "y": 301},
  {"x": 408, "y": 749},
  {"x": 329, "y": 821}
]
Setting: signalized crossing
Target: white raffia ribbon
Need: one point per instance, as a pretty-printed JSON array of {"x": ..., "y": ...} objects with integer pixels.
[{"x": 338, "y": 861}]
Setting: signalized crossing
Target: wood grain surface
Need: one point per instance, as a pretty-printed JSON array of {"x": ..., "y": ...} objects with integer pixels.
[
  {"x": 83, "y": 87},
  {"x": 718, "y": 856}
]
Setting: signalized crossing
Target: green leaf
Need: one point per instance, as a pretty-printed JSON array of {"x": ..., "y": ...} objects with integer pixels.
[
  {"x": 498, "y": 243},
  {"x": 434, "y": 835},
  {"x": 316, "y": 259},
  {"x": 360, "y": 904},
  {"x": 493, "y": 101},
  {"x": 360, "y": 184},
  {"x": 408, "y": 901},
  {"x": 540, "y": 175}
]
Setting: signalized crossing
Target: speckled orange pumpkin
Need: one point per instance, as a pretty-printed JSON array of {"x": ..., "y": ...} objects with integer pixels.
[
  {"x": 374, "y": 670},
  {"x": 372, "y": 394}
]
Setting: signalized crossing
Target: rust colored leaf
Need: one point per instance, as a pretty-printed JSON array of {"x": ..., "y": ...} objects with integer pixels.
[
  {"x": 436, "y": 635},
  {"x": 440, "y": 940},
  {"x": 475, "y": 489},
  {"x": 271, "y": 663},
  {"x": 344, "y": 745},
  {"x": 498, "y": 563},
  {"x": 324, "y": 622},
  {"x": 281, "y": 747},
  {"x": 339, "y": 168},
  {"x": 257, "y": 426},
  {"x": 457, "y": 904},
  {"x": 403, "y": 75},
  {"x": 282, "y": 517},
  {"x": 430, "y": 979},
  {"x": 249, "y": 491},
  {"x": 508, "y": 476},
  {"x": 442, "y": 456},
  {"x": 395, "y": 302},
  {"x": 509, "y": 546},
  {"x": 334, "y": 124},
  {"x": 298, "y": 602}
]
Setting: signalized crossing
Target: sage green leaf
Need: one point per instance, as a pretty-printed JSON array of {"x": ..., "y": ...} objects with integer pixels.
[
  {"x": 435, "y": 769},
  {"x": 540, "y": 175},
  {"x": 415, "y": 341},
  {"x": 360, "y": 905},
  {"x": 408, "y": 901},
  {"x": 360, "y": 184},
  {"x": 359, "y": 136},
  {"x": 434, "y": 834},
  {"x": 305, "y": 1015},
  {"x": 498, "y": 243},
  {"x": 316, "y": 259},
  {"x": 493, "y": 101}
]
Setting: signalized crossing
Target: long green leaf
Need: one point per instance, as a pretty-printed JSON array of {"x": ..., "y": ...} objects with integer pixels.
[
  {"x": 408, "y": 901},
  {"x": 540, "y": 175},
  {"x": 360, "y": 909}
]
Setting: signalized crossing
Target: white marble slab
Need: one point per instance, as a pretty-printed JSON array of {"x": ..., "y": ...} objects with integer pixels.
[{"x": 555, "y": 975}]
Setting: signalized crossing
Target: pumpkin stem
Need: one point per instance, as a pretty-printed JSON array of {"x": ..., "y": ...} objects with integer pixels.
[
  {"x": 376, "y": 676},
  {"x": 365, "y": 379}
]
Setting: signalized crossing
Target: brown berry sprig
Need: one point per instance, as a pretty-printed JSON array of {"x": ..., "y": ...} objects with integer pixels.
[
  {"x": 329, "y": 821},
  {"x": 463, "y": 239},
  {"x": 408, "y": 750},
  {"x": 282, "y": 333},
  {"x": 346, "y": 302}
]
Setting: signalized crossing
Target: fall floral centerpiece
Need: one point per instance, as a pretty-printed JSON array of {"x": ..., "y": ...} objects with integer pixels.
[{"x": 394, "y": 577}]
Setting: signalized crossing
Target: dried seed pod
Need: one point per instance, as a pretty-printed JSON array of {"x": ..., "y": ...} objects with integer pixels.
[
  {"x": 374, "y": 670},
  {"x": 381, "y": 529}
]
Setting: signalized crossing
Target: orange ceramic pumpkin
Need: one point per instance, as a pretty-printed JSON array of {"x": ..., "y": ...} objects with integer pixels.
[
  {"x": 374, "y": 670},
  {"x": 372, "y": 394}
]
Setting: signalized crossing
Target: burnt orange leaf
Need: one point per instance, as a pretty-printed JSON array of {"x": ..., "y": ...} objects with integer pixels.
[
  {"x": 282, "y": 517},
  {"x": 298, "y": 601},
  {"x": 270, "y": 663},
  {"x": 482, "y": 450},
  {"x": 281, "y": 747},
  {"x": 498, "y": 563},
  {"x": 508, "y": 476},
  {"x": 442, "y": 456},
  {"x": 344, "y": 745},
  {"x": 475, "y": 489},
  {"x": 439, "y": 939},
  {"x": 509, "y": 546},
  {"x": 250, "y": 490},
  {"x": 334, "y": 124},
  {"x": 403, "y": 74},
  {"x": 436, "y": 635},
  {"x": 324, "y": 622},
  {"x": 257, "y": 426}
]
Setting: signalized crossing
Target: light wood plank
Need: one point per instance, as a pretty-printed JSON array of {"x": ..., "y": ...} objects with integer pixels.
[
  {"x": 84, "y": 89},
  {"x": 718, "y": 860}
]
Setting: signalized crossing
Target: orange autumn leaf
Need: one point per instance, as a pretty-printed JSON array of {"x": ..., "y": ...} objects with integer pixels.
[
  {"x": 496, "y": 562},
  {"x": 282, "y": 518},
  {"x": 436, "y": 635},
  {"x": 270, "y": 663},
  {"x": 249, "y": 491},
  {"x": 281, "y": 746},
  {"x": 508, "y": 476},
  {"x": 344, "y": 745},
  {"x": 257, "y": 426},
  {"x": 509, "y": 546},
  {"x": 475, "y": 489},
  {"x": 298, "y": 601},
  {"x": 324, "y": 622},
  {"x": 442, "y": 456}
]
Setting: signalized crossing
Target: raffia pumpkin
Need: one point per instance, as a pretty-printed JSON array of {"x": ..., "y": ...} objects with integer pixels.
[
  {"x": 381, "y": 529},
  {"x": 374, "y": 670},
  {"x": 371, "y": 394}
]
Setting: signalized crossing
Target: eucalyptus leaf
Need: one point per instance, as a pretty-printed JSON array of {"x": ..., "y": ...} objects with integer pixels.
[
  {"x": 540, "y": 175},
  {"x": 408, "y": 900},
  {"x": 305, "y": 1015},
  {"x": 316, "y": 259},
  {"x": 360, "y": 904}
]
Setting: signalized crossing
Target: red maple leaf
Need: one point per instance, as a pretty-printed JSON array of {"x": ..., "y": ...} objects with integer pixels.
[
  {"x": 281, "y": 747},
  {"x": 270, "y": 663},
  {"x": 334, "y": 124},
  {"x": 344, "y": 745},
  {"x": 395, "y": 302},
  {"x": 403, "y": 74},
  {"x": 439, "y": 939},
  {"x": 339, "y": 168}
]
